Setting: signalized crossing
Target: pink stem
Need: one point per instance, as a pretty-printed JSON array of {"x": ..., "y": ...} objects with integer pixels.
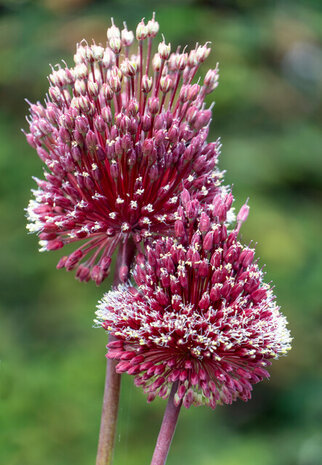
[
  {"x": 109, "y": 414},
  {"x": 167, "y": 429},
  {"x": 112, "y": 380}
]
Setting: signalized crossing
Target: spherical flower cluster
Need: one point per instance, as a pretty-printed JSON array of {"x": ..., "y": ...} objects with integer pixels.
[
  {"x": 120, "y": 134},
  {"x": 201, "y": 315}
]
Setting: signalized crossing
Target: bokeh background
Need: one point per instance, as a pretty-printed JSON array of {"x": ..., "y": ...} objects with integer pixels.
[{"x": 268, "y": 111}]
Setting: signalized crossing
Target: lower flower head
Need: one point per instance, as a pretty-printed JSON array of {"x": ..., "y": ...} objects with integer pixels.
[{"x": 201, "y": 314}]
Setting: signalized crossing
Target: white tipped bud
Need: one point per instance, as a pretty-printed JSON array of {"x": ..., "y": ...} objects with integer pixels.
[
  {"x": 153, "y": 27},
  {"x": 115, "y": 45},
  {"x": 59, "y": 78},
  {"x": 80, "y": 55},
  {"x": 93, "y": 89},
  {"x": 193, "y": 59},
  {"x": 80, "y": 87},
  {"x": 113, "y": 32},
  {"x": 128, "y": 68},
  {"x": 97, "y": 52},
  {"x": 115, "y": 83},
  {"x": 127, "y": 37},
  {"x": 181, "y": 60},
  {"x": 106, "y": 92},
  {"x": 164, "y": 50},
  {"x": 141, "y": 31},
  {"x": 147, "y": 84},
  {"x": 108, "y": 59},
  {"x": 202, "y": 53},
  {"x": 211, "y": 79},
  {"x": 156, "y": 62},
  {"x": 107, "y": 115},
  {"x": 89, "y": 54},
  {"x": 80, "y": 71},
  {"x": 165, "y": 84}
]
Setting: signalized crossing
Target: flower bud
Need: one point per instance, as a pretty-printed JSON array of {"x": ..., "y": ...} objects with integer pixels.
[
  {"x": 165, "y": 84},
  {"x": 243, "y": 213},
  {"x": 156, "y": 62},
  {"x": 106, "y": 113},
  {"x": 113, "y": 32},
  {"x": 93, "y": 89},
  {"x": 211, "y": 80},
  {"x": 164, "y": 50},
  {"x": 127, "y": 37},
  {"x": 129, "y": 68},
  {"x": 108, "y": 59},
  {"x": 179, "y": 228},
  {"x": 202, "y": 53},
  {"x": 152, "y": 27},
  {"x": 153, "y": 105},
  {"x": 141, "y": 31},
  {"x": 146, "y": 84},
  {"x": 202, "y": 119}
]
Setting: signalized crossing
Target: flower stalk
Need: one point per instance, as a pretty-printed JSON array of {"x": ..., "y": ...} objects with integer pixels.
[
  {"x": 109, "y": 413},
  {"x": 113, "y": 379},
  {"x": 167, "y": 430}
]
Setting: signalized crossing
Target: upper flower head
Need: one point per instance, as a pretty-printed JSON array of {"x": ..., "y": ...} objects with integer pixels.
[
  {"x": 202, "y": 316},
  {"x": 120, "y": 135}
]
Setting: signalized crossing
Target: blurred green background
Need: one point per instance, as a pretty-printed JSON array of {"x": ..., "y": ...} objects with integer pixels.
[{"x": 268, "y": 110}]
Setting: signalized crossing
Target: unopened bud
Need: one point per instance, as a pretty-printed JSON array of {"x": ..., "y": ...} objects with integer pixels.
[
  {"x": 153, "y": 105},
  {"x": 106, "y": 113},
  {"x": 181, "y": 61},
  {"x": 152, "y": 27},
  {"x": 91, "y": 140},
  {"x": 204, "y": 223},
  {"x": 179, "y": 228},
  {"x": 93, "y": 89},
  {"x": 141, "y": 31},
  {"x": 115, "y": 45},
  {"x": 156, "y": 62},
  {"x": 164, "y": 50},
  {"x": 108, "y": 59},
  {"x": 99, "y": 124},
  {"x": 211, "y": 80},
  {"x": 98, "y": 52},
  {"x": 165, "y": 84},
  {"x": 115, "y": 83},
  {"x": 113, "y": 32},
  {"x": 185, "y": 197},
  {"x": 202, "y": 119},
  {"x": 202, "y": 53},
  {"x": 243, "y": 214},
  {"x": 127, "y": 37},
  {"x": 147, "y": 84},
  {"x": 124, "y": 273},
  {"x": 192, "y": 209},
  {"x": 129, "y": 68},
  {"x": 81, "y": 124}
]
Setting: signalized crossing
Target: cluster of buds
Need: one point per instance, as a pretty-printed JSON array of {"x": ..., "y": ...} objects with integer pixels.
[
  {"x": 200, "y": 315},
  {"x": 121, "y": 135}
]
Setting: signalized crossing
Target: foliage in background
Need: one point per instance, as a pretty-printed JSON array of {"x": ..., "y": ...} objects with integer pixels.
[{"x": 268, "y": 110}]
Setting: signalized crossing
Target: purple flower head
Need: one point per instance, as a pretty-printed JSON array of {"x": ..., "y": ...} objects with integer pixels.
[
  {"x": 201, "y": 315},
  {"x": 121, "y": 135}
]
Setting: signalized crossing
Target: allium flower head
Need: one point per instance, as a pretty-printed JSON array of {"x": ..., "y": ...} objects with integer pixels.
[
  {"x": 121, "y": 133},
  {"x": 201, "y": 315}
]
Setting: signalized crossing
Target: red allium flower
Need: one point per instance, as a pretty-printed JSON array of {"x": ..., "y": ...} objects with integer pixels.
[
  {"x": 201, "y": 316},
  {"x": 120, "y": 135}
]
